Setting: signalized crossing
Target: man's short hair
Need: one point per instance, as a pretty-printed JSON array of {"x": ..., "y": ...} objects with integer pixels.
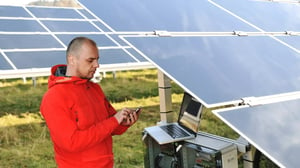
[{"x": 75, "y": 45}]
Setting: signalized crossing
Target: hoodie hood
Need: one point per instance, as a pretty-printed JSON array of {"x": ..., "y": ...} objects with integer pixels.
[{"x": 58, "y": 76}]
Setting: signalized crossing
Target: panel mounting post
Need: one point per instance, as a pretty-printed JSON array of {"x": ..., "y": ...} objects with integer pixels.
[{"x": 165, "y": 96}]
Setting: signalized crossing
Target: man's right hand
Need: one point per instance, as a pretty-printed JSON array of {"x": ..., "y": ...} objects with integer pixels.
[{"x": 122, "y": 115}]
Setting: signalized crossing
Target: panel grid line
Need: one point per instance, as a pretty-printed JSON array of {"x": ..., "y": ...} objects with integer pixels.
[
  {"x": 252, "y": 25},
  {"x": 60, "y": 49},
  {"x": 45, "y": 27},
  {"x": 114, "y": 41},
  {"x": 8, "y": 60},
  {"x": 48, "y": 19}
]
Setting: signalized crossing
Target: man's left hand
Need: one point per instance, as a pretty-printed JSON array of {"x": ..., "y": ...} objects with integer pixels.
[{"x": 132, "y": 117}]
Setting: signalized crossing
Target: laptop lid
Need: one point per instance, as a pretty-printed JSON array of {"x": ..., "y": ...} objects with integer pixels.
[
  {"x": 188, "y": 119},
  {"x": 190, "y": 113}
]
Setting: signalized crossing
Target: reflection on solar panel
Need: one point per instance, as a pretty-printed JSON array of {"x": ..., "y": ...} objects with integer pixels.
[
  {"x": 221, "y": 69},
  {"x": 224, "y": 52},
  {"x": 273, "y": 128},
  {"x": 136, "y": 15},
  {"x": 34, "y": 38},
  {"x": 220, "y": 51}
]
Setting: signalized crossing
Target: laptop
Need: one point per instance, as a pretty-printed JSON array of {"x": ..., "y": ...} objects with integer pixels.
[{"x": 186, "y": 127}]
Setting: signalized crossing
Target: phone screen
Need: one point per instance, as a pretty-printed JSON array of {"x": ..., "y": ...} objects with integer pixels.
[{"x": 138, "y": 110}]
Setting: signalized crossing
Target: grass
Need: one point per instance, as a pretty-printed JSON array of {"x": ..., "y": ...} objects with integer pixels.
[{"x": 24, "y": 138}]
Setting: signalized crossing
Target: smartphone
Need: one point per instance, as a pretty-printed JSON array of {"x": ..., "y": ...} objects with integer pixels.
[{"x": 138, "y": 110}]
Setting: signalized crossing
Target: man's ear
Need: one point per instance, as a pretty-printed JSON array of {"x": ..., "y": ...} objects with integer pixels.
[{"x": 71, "y": 59}]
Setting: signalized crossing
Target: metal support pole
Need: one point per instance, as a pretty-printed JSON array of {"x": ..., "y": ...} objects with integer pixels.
[
  {"x": 24, "y": 80},
  {"x": 34, "y": 81},
  {"x": 248, "y": 158},
  {"x": 114, "y": 74},
  {"x": 165, "y": 95}
]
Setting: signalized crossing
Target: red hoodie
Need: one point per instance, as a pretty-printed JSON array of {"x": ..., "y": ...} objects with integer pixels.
[{"x": 80, "y": 121}]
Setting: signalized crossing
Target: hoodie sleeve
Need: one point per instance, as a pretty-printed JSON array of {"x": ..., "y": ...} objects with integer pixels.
[
  {"x": 120, "y": 129},
  {"x": 56, "y": 110}
]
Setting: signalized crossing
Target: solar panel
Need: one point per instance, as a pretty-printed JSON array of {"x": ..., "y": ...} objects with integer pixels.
[
  {"x": 221, "y": 69},
  {"x": 192, "y": 15},
  {"x": 115, "y": 56},
  {"x": 37, "y": 37},
  {"x": 36, "y": 59},
  {"x": 292, "y": 40},
  {"x": 4, "y": 64},
  {"x": 217, "y": 67},
  {"x": 101, "y": 39},
  {"x": 55, "y": 12},
  {"x": 264, "y": 14},
  {"x": 13, "y": 25},
  {"x": 272, "y": 128},
  {"x": 86, "y": 14},
  {"x": 67, "y": 26},
  {"x": 27, "y": 41},
  {"x": 13, "y": 11}
]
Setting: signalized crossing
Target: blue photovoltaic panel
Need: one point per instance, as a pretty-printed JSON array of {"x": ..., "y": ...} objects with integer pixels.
[
  {"x": 137, "y": 15},
  {"x": 4, "y": 64},
  {"x": 86, "y": 14},
  {"x": 215, "y": 69},
  {"x": 118, "y": 40},
  {"x": 40, "y": 59},
  {"x": 55, "y": 13},
  {"x": 40, "y": 40},
  {"x": 101, "y": 40},
  {"x": 102, "y": 27},
  {"x": 67, "y": 26},
  {"x": 294, "y": 41},
  {"x": 220, "y": 69},
  {"x": 13, "y": 11},
  {"x": 20, "y": 26},
  {"x": 28, "y": 41},
  {"x": 266, "y": 15},
  {"x": 273, "y": 128},
  {"x": 114, "y": 56},
  {"x": 137, "y": 55}
]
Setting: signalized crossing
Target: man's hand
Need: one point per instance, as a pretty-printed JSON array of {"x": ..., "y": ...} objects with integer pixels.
[{"x": 127, "y": 117}]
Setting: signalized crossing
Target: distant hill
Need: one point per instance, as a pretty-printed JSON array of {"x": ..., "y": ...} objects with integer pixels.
[{"x": 58, "y": 3}]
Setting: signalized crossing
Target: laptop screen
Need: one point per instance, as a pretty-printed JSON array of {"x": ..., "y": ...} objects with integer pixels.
[
  {"x": 193, "y": 108},
  {"x": 190, "y": 113}
]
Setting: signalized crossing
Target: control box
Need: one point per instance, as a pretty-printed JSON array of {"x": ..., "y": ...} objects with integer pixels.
[
  {"x": 209, "y": 151},
  {"x": 160, "y": 156},
  {"x": 204, "y": 151}
]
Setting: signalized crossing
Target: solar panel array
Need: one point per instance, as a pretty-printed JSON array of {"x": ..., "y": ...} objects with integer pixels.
[
  {"x": 273, "y": 128},
  {"x": 242, "y": 52},
  {"x": 222, "y": 52},
  {"x": 36, "y": 37}
]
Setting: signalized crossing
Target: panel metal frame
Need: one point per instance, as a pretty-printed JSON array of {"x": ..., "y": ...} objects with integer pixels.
[{"x": 14, "y": 72}]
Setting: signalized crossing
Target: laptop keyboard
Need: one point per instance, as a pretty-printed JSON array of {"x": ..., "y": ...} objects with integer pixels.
[{"x": 174, "y": 131}]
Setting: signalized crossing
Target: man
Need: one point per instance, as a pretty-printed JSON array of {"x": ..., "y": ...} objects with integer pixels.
[{"x": 80, "y": 120}]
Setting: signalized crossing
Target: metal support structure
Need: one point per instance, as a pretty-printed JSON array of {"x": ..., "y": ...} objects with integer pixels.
[
  {"x": 40, "y": 72},
  {"x": 248, "y": 158},
  {"x": 34, "y": 81},
  {"x": 255, "y": 101},
  {"x": 165, "y": 95}
]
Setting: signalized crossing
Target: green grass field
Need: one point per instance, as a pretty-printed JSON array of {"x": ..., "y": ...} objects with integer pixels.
[{"x": 24, "y": 138}]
